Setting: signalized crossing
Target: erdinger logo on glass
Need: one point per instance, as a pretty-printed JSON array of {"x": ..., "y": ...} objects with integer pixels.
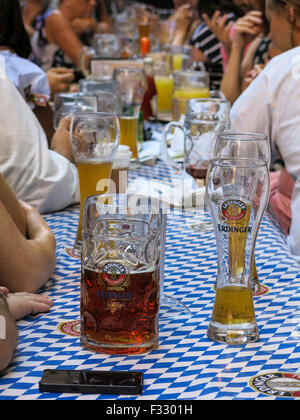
[
  {"x": 114, "y": 274},
  {"x": 234, "y": 210}
]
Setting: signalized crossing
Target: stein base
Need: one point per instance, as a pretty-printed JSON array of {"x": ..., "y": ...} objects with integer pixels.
[
  {"x": 77, "y": 248},
  {"x": 234, "y": 335},
  {"x": 172, "y": 308},
  {"x": 117, "y": 348}
]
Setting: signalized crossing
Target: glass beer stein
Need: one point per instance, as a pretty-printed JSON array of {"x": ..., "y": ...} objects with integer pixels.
[
  {"x": 237, "y": 192},
  {"x": 120, "y": 277},
  {"x": 94, "y": 140},
  {"x": 245, "y": 145},
  {"x": 204, "y": 119}
]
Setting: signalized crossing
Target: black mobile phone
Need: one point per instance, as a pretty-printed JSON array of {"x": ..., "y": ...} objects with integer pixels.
[{"x": 92, "y": 382}]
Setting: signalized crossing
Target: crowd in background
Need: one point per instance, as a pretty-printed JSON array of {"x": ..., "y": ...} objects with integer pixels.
[{"x": 250, "y": 48}]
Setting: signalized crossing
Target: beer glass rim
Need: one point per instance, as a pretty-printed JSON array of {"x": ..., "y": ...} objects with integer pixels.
[
  {"x": 129, "y": 70},
  {"x": 95, "y": 115},
  {"x": 239, "y": 163},
  {"x": 245, "y": 136},
  {"x": 148, "y": 203},
  {"x": 73, "y": 95},
  {"x": 204, "y": 100}
]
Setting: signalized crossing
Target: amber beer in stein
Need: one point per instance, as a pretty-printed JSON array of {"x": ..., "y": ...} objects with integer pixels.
[
  {"x": 232, "y": 187},
  {"x": 120, "y": 278}
]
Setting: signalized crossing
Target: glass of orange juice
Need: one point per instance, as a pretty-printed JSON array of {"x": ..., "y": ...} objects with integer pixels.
[
  {"x": 188, "y": 85},
  {"x": 132, "y": 83}
]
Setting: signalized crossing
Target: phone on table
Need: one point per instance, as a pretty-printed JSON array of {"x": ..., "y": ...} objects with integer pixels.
[{"x": 92, "y": 382}]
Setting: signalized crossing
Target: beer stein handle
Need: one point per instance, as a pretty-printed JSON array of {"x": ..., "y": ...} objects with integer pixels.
[
  {"x": 84, "y": 59},
  {"x": 164, "y": 146}
]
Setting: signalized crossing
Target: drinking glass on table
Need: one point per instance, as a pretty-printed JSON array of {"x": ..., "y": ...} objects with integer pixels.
[
  {"x": 120, "y": 274},
  {"x": 94, "y": 85},
  {"x": 94, "y": 139},
  {"x": 237, "y": 191},
  {"x": 204, "y": 119},
  {"x": 132, "y": 83},
  {"x": 251, "y": 146},
  {"x": 164, "y": 84},
  {"x": 107, "y": 45},
  {"x": 108, "y": 102},
  {"x": 68, "y": 103}
]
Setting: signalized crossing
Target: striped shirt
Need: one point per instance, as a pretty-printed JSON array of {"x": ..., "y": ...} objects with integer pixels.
[{"x": 206, "y": 41}]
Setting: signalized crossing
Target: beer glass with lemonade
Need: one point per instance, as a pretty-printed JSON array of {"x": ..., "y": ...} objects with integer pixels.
[
  {"x": 132, "y": 83},
  {"x": 237, "y": 191},
  {"x": 120, "y": 274},
  {"x": 245, "y": 145},
  {"x": 94, "y": 139}
]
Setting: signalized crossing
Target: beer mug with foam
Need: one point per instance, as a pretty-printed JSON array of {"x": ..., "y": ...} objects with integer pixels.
[
  {"x": 237, "y": 192},
  {"x": 121, "y": 266},
  {"x": 94, "y": 138}
]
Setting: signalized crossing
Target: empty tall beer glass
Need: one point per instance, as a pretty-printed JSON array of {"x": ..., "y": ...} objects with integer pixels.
[
  {"x": 245, "y": 145},
  {"x": 132, "y": 83},
  {"x": 66, "y": 104},
  {"x": 120, "y": 274},
  {"x": 95, "y": 139},
  {"x": 237, "y": 192}
]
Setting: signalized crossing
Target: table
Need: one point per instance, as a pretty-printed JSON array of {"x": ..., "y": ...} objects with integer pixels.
[{"x": 186, "y": 365}]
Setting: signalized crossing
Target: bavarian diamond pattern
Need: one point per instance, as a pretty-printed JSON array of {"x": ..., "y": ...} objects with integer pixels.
[{"x": 186, "y": 365}]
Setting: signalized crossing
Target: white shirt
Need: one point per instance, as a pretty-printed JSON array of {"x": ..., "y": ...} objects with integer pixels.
[
  {"x": 39, "y": 176},
  {"x": 30, "y": 80},
  {"x": 271, "y": 105}
]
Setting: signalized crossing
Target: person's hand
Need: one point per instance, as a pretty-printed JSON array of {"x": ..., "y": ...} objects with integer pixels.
[
  {"x": 83, "y": 24},
  {"x": 22, "y": 304},
  {"x": 183, "y": 17},
  {"x": 252, "y": 74},
  {"x": 4, "y": 290},
  {"x": 61, "y": 140},
  {"x": 220, "y": 26},
  {"x": 60, "y": 79},
  {"x": 248, "y": 28}
]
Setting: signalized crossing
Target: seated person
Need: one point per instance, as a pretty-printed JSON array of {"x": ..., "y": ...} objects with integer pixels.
[
  {"x": 270, "y": 106},
  {"x": 29, "y": 79},
  {"x": 56, "y": 41},
  {"x": 26, "y": 239},
  {"x": 206, "y": 46},
  {"x": 46, "y": 179},
  {"x": 15, "y": 306}
]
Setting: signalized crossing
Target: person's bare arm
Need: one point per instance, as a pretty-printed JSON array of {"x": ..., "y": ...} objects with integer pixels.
[
  {"x": 12, "y": 205},
  {"x": 26, "y": 263},
  {"x": 8, "y": 334},
  {"x": 45, "y": 117},
  {"x": 60, "y": 32}
]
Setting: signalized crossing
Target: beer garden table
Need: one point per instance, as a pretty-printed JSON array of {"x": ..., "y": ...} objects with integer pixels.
[{"x": 186, "y": 365}]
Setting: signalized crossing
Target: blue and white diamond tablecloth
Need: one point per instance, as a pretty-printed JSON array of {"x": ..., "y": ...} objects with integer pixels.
[{"x": 186, "y": 365}]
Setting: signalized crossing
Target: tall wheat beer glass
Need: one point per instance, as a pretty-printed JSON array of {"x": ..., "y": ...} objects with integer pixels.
[
  {"x": 245, "y": 145},
  {"x": 132, "y": 83},
  {"x": 237, "y": 192},
  {"x": 95, "y": 139}
]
